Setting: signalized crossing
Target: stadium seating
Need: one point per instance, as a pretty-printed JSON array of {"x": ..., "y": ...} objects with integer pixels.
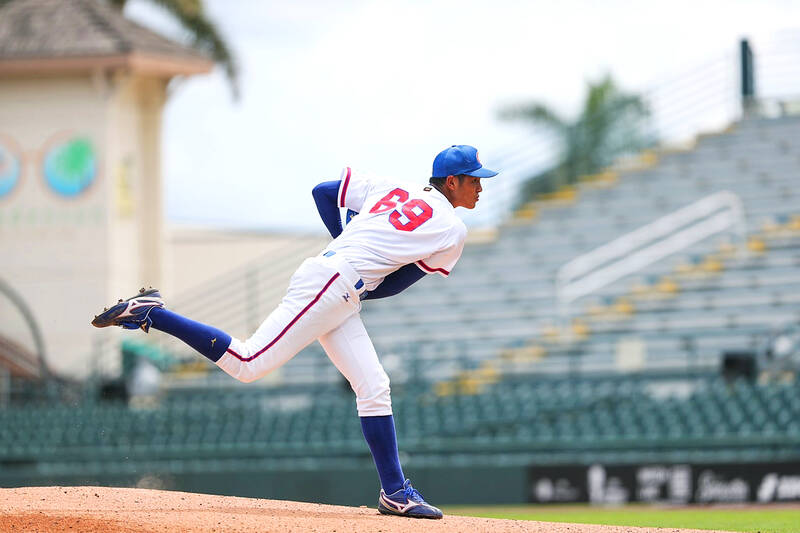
[
  {"x": 622, "y": 415},
  {"x": 491, "y": 366},
  {"x": 501, "y": 295}
]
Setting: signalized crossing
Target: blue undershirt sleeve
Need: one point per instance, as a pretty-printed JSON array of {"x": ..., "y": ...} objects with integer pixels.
[
  {"x": 396, "y": 282},
  {"x": 326, "y": 197}
]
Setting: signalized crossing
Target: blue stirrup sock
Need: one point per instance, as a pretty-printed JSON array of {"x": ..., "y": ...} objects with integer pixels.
[
  {"x": 209, "y": 341},
  {"x": 380, "y": 435}
]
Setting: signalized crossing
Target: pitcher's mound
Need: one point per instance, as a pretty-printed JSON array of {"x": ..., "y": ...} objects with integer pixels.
[{"x": 102, "y": 509}]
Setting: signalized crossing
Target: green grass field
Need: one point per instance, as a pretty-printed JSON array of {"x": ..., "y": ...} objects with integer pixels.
[{"x": 763, "y": 520}]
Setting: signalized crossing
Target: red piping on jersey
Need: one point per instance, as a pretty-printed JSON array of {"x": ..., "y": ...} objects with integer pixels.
[
  {"x": 344, "y": 187},
  {"x": 292, "y": 323},
  {"x": 430, "y": 269}
]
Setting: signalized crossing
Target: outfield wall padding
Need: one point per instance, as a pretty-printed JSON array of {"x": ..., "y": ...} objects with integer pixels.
[{"x": 600, "y": 484}]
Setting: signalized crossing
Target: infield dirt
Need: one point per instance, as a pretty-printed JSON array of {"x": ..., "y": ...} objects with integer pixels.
[{"x": 102, "y": 509}]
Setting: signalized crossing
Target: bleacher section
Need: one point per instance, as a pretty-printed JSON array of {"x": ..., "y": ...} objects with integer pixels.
[
  {"x": 716, "y": 295},
  {"x": 682, "y": 417}
]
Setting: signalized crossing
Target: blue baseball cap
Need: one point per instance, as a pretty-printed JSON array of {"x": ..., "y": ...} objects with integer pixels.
[{"x": 460, "y": 159}]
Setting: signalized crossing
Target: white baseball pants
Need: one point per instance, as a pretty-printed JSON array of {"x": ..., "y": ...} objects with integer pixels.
[{"x": 321, "y": 303}]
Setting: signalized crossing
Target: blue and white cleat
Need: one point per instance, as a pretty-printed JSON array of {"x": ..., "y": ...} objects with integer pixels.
[
  {"x": 133, "y": 313},
  {"x": 407, "y": 502}
]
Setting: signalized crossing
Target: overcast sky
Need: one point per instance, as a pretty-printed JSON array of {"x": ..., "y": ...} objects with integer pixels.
[{"x": 384, "y": 86}]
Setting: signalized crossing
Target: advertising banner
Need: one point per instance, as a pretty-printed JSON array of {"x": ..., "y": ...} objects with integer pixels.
[{"x": 666, "y": 483}]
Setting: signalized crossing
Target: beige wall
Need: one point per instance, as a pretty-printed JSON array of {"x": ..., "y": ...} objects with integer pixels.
[
  {"x": 199, "y": 255},
  {"x": 70, "y": 256}
]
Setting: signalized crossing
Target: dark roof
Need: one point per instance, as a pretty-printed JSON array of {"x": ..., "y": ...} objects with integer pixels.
[{"x": 52, "y": 29}]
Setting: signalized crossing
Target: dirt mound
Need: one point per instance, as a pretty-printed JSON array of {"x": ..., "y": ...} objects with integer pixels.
[{"x": 102, "y": 509}]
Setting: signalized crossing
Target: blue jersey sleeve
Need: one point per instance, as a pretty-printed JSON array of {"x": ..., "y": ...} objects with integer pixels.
[
  {"x": 326, "y": 197},
  {"x": 396, "y": 282}
]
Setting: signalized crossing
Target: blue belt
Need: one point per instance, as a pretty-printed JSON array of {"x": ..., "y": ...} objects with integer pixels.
[{"x": 359, "y": 283}]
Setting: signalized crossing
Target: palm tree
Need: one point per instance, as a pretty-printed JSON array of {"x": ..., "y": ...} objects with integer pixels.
[
  {"x": 191, "y": 15},
  {"x": 609, "y": 125}
]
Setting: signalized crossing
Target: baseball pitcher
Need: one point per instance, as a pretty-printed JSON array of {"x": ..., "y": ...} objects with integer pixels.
[{"x": 402, "y": 232}]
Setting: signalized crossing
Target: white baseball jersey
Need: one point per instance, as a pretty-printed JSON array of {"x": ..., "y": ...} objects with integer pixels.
[{"x": 398, "y": 224}]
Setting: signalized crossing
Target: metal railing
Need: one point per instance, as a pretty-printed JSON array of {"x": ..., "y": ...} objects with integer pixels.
[
  {"x": 32, "y": 324},
  {"x": 640, "y": 248}
]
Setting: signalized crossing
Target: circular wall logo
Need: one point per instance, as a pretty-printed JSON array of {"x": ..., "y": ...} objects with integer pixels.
[
  {"x": 70, "y": 166},
  {"x": 9, "y": 167}
]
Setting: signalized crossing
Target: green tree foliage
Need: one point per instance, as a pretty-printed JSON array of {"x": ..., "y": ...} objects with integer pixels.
[
  {"x": 192, "y": 17},
  {"x": 608, "y": 126}
]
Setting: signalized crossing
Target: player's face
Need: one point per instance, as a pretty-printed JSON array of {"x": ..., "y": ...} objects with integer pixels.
[{"x": 466, "y": 191}]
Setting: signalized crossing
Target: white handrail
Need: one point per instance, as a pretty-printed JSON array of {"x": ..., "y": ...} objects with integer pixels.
[{"x": 642, "y": 247}]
